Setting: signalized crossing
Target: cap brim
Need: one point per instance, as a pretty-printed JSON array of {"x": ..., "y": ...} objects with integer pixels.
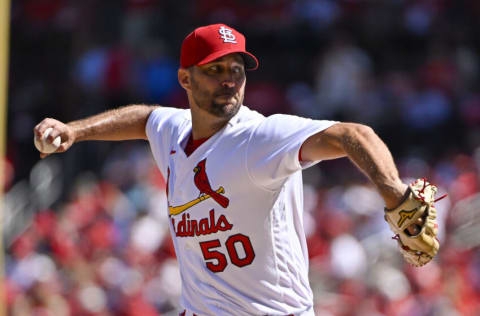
[{"x": 251, "y": 62}]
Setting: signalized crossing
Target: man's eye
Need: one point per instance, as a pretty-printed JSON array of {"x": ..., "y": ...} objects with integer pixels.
[{"x": 213, "y": 68}]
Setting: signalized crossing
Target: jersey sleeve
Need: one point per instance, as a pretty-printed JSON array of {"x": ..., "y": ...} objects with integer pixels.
[
  {"x": 159, "y": 129},
  {"x": 273, "y": 148}
]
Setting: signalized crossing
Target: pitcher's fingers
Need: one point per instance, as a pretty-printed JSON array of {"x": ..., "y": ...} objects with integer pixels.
[
  {"x": 42, "y": 155},
  {"x": 414, "y": 229},
  {"x": 38, "y": 130},
  {"x": 63, "y": 147},
  {"x": 41, "y": 128},
  {"x": 53, "y": 134}
]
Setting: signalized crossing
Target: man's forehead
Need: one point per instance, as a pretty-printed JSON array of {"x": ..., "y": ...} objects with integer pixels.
[{"x": 229, "y": 58}]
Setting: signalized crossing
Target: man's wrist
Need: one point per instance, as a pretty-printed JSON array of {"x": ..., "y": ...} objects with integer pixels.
[
  {"x": 394, "y": 195},
  {"x": 75, "y": 131}
]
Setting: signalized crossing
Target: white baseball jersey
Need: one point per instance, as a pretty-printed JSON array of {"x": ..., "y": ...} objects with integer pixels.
[{"x": 235, "y": 209}]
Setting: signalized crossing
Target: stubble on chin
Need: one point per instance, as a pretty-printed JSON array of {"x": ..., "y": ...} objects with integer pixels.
[
  {"x": 220, "y": 110},
  {"x": 224, "y": 110}
]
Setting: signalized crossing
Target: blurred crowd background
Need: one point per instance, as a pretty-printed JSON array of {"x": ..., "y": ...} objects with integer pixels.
[{"x": 86, "y": 232}]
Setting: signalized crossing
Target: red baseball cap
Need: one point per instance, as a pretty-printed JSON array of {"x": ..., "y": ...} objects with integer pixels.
[{"x": 207, "y": 43}]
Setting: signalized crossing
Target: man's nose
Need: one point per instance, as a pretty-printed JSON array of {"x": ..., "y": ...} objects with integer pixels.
[
  {"x": 228, "y": 83},
  {"x": 229, "y": 80}
]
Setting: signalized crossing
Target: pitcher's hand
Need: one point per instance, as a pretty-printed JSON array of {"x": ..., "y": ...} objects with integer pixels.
[{"x": 66, "y": 133}]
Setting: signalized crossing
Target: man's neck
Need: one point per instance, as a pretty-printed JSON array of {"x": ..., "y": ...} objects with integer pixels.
[{"x": 205, "y": 125}]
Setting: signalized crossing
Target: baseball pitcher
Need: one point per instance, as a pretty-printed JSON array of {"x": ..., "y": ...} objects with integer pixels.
[{"x": 234, "y": 182}]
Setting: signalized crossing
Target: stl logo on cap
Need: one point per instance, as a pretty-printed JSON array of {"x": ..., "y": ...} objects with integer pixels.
[
  {"x": 227, "y": 35},
  {"x": 208, "y": 43}
]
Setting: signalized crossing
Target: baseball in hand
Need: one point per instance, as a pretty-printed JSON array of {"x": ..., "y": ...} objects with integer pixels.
[{"x": 44, "y": 146}]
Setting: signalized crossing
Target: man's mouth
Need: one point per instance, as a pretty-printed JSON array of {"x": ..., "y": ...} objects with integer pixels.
[{"x": 225, "y": 94}]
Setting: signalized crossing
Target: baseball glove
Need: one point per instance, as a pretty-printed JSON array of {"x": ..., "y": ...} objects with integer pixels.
[{"x": 418, "y": 246}]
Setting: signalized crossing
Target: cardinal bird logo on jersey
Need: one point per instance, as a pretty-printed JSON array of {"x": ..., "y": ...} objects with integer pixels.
[{"x": 203, "y": 185}]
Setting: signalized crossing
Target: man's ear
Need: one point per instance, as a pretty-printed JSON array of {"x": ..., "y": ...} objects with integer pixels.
[{"x": 184, "y": 78}]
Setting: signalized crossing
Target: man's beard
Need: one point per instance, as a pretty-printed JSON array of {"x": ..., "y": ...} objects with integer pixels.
[{"x": 222, "y": 110}]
